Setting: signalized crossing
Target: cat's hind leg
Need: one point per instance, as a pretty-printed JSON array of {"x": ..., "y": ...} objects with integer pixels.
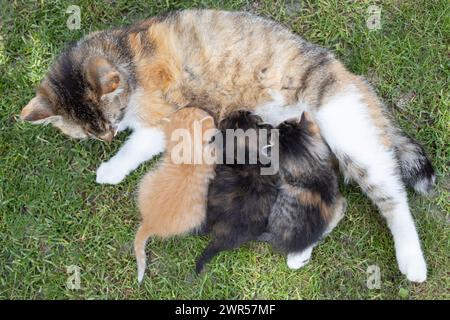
[
  {"x": 296, "y": 260},
  {"x": 228, "y": 237},
  {"x": 211, "y": 250},
  {"x": 338, "y": 213},
  {"x": 365, "y": 155}
]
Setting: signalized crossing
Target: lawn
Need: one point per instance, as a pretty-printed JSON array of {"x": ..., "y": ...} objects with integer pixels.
[{"x": 53, "y": 215}]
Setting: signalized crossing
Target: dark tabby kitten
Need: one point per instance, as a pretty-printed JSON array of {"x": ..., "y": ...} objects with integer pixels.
[
  {"x": 309, "y": 204},
  {"x": 239, "y": 198}
]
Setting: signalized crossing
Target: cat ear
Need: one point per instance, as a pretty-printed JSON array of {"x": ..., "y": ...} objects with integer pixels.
[
  {"x": 308, "y": 120},
  {"x": 209, "y": 121},
  {"x": 37, "y": 110},
  {"x": 302, "y": 118},
  {"x": 306, "y": 116},
  {"x": 102, "y": 75}
]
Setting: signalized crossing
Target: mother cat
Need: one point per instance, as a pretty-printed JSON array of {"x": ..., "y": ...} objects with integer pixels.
[{"x": 132, "y": 77}]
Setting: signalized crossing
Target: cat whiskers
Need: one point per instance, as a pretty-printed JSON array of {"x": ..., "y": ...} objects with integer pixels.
[
  {"x": 92, "y": 136},
  {"x": 116, "y": 130}
]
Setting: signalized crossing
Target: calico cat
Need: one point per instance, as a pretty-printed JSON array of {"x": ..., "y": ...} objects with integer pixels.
[
  {"x": 239, "y": 197},
  {"x": 172, "y": 198},
  {"x": 308, "y": 204},
  {"x": 134, "y": 76}
]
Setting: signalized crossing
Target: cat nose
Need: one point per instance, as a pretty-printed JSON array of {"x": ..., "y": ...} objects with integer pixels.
[{"x": 107, "y": 136}]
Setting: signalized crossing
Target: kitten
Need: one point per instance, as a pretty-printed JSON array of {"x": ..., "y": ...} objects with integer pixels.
[
  {"x": 239, "y": 197},
  {"x": 309, "y": 204},
  {"x": 134, "y": 76},
  {"x": 172, "y": 198}
]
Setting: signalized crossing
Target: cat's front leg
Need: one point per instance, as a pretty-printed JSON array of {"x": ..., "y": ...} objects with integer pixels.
[{"x": 143, "y": 144}]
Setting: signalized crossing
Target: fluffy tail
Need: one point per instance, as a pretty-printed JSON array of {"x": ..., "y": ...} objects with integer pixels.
[
  {"x": 140, "y": 240},
  {"x": 417, "y": 170}
]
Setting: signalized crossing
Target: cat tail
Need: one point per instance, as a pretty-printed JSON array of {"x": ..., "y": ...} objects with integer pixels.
[
  {"x": 140, "y": 240},
  {"x": 416, "y": 168},
  {"x": 211, "y": 250}
]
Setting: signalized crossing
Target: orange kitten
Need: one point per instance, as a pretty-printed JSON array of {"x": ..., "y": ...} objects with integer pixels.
[{"x": 172, "y": 198}]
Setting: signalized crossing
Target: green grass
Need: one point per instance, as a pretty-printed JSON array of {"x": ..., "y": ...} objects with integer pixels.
[{"x": 53, "y": 214}]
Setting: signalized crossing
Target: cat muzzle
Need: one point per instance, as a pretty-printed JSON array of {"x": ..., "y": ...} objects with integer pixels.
[{"x": 107, "y": 137}]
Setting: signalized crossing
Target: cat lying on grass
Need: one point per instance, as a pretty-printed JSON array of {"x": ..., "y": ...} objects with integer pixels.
[{"x": 134, "y": 76}]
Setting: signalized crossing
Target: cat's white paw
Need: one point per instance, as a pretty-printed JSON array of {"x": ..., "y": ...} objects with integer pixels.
[
  {"x": 295, "y": 263},
  {"x": 299, "y": 259},
  {"x": 109, "y": 173},
  {"x": 413, "y": 266}
]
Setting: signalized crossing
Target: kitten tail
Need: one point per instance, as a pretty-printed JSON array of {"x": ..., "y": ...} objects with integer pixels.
[
  {"x": 210, "y": 251},
  {"x": 140, "y": 240}
]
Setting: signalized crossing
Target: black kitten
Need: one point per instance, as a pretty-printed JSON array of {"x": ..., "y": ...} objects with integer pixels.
[
  {"x": 309, "y": 204},
  {"x": 239, "y": 198}
]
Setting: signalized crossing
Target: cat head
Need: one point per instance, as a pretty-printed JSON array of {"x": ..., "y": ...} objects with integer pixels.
[
  {"x": 300, "y": 140},
  {"x": 241, "y": 120},
  {"x": 189, "y": 132},
  {"x": 303, "y": 154},
  {"x": 250, "y": 142},
  {"x": 84, "y": 93}
]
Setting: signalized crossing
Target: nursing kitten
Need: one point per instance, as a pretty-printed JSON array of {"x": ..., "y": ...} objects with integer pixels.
[
  {"x": 309, "y": 204},
  {"x": 239, "y": 197},
  {"x": 134, "y": 76},
  {"x": 172, "y": 198}
]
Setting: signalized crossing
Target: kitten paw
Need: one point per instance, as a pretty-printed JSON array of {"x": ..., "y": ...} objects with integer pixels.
[
  {"x": 299, "y": 259},
  {"x": 413, "y": 266},
  {"x": 109, "y": 173},
  {"x": 295, "y": 263}
]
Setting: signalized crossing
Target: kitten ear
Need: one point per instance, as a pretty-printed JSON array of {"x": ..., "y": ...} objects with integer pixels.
[
  {"x": 102, "y": 75},
  {"x": 303, "y": 118},
  {"x": 208, "y": 121},
  {"x": 37, "y": 110},
  {"x": 306, "y": 116},
  {"x": 308, "y": 120},
  {"x": 264, "y": 150}
]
